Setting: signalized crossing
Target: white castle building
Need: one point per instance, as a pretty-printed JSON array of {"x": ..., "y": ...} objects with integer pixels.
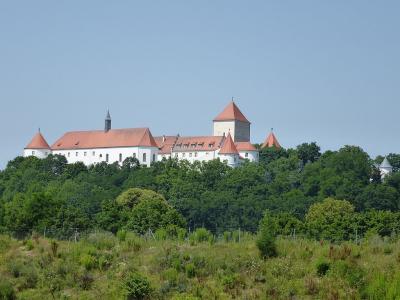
[{"x": 230, "y": 143}]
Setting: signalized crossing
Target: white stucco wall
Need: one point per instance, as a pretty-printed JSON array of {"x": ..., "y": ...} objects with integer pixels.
[
  {"x": 251, "y": 155},
  {"x": 240, "y": 131},
  {"x": 39, "y": 153},
  {"x": 92, "y": 156},
  {"x": 231, "y": 160},
  {"x": 195, "y": 155}
]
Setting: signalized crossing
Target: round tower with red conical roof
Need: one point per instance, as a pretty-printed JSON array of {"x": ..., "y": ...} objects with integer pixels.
[
  {"x": 228, "y": 152},
  {"x": 37, "y": 147}
]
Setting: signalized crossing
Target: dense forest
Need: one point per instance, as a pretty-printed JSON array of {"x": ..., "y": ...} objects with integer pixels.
[{"x": 333, "y": 195}]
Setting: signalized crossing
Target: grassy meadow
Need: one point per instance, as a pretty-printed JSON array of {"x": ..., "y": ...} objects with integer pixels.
[{"x": 105, "y": 266}]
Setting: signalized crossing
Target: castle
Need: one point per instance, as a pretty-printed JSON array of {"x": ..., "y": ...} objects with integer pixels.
[{"x": 230, "y": 143}]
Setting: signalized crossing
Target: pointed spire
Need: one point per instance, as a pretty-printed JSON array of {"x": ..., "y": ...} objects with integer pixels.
[
  {"x": 229, "y": 146},
  {"x": 38, "y": 142},
  {"x": 271, "y": 141},
  {"x": 385, "y": 164},
  {"x": 107, "y": 122},
  {"x": 231, "y": 113}
]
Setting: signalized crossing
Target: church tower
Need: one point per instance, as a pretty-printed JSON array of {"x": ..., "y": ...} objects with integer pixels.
[
  {"x": 107, "y": 125},
  {"x": 231, "y": 120}
]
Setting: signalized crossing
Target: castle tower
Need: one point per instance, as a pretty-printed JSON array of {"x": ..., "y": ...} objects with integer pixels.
[
  {"x": 232, "y": 120},
  {"x": 107, "y": 125},
  {"x": 37, "y": 147},
  {"x": 271, "y": 141},
  {"x": 228, "y": 152},
  {"x": 386, "y": 168}
]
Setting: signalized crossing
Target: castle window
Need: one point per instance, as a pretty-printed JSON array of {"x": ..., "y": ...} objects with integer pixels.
[
  {"x": 183, "y": 154},
  {"x": 195, "y": 154},
  {"x": 84, "y": 153},
  {"x": 76, "y": 153},
  {"x": 120, "y": 157},
  {"x": 101, "y": 155},
  {"x": 107, "y": 157},
  {"x": 94, "y": 153},
  {"x": 69, "y": 154},
  {"x": 246, "y": 155},
  {"x": 134, "y": 155},
  {"x": 207, "y": 153},
  {"x": 154, "y": 157},
  {"x": 33, "y": 152},
  {"x": 190, "y": 154},
  {"x": 144, "y": 157}
]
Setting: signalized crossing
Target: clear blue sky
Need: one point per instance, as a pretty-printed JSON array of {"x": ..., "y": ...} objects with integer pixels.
[{"x": 324, "y": 71}]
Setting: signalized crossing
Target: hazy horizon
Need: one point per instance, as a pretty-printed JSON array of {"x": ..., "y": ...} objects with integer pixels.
[{"x": 324, "y": 72}]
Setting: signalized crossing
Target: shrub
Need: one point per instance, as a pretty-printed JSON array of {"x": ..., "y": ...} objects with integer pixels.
[
  {"x": 137, "y": 286},
  {"x": 6, "y": 290},
  {"x": 88, "y": 261},
  {"x": 160, "y": 234},
  {"x": 190, "y": 270},
  {"x": 54, "y": 248},
  {"x": 85, "y": 281},
  {"x": 322, "y": 267},
  {"x": 121, "y": 235},
  {"x": 29, "y": 245},
  {"x": 102, "y": 240},
  {"x": 133, "y": 242},
  {"x": 266, "y": 245},
  {"x": 200, "y": 235},
  {"x": 266, "y": 236},
  {"x": 170, "y": 275}
]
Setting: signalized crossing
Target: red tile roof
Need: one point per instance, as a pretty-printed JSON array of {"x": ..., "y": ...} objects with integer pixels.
[
  {"x": 230, "y": 113},
  {"x": 271, "y": 141},
  {"x": 165, "y": 143},
  {"x": 229, "y": 146},
  {"x": 245, "y": 146},
  {"x": 198, "y": 143},
  {"x": 38, "y": 142},
  {"x": 131, "y": 137}
]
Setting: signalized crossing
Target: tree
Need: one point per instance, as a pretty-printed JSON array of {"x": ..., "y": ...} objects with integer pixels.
[
  {"x": 330, "y": 219},
  {"x": 308, "y": 152},
  {"x": 379, "y": 196},
  {"x": 265, "y": 242},
  {"x": 145, "y": 209}
]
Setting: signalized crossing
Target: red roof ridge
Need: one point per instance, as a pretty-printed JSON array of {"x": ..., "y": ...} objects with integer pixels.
[
  {"x": 229, "y": 146},
  {"x": 230, "y": 113},
  {"x": 38, "y": 142}
]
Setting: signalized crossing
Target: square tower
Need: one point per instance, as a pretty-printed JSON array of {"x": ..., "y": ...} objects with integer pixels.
[{"x": 231, "y": 120}]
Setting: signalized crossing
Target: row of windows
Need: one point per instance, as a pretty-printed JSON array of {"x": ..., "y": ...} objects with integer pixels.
[{"x": 120, "y": 157}]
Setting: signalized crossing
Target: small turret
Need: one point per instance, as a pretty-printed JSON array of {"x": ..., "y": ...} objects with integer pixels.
[
  {"x": 107, "y": 125},
  {"x": 271, "y": 141}
]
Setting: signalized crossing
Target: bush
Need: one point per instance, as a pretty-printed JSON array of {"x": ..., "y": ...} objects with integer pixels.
[
  {"x": 121, "y": 235},
  {"x": 88, "y": 261},
  {"x": 85, "y": 281},
  {"x": 201, "y": 235},
  {"x": 266, "y": 245},
  {"x": 322, "y": 267},
  {"x": 266, "y": 236},
  {"x": 133, "y": 242},
  {"x": 160, "y": 234},
  {"x": 6, "y": 290},
  {"x": 190, "y": 270},
  {"x": 102, "y": 240},
  {"x": 137, "y": 286}
]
